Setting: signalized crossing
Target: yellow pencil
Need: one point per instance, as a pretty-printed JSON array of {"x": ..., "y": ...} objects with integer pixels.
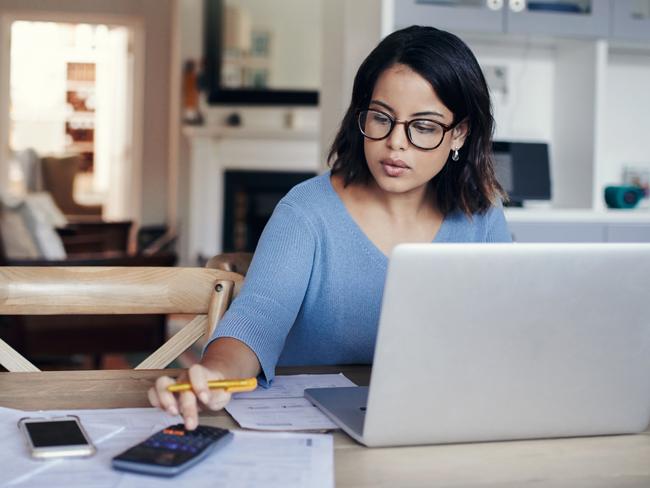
[{"x": 231, "y": 386}]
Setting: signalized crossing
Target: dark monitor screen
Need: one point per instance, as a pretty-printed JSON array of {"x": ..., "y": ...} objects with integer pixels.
[{"x": 523, "y": 170}]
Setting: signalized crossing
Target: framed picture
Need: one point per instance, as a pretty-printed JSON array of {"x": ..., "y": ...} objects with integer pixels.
[{"x": 229, "y": 88}]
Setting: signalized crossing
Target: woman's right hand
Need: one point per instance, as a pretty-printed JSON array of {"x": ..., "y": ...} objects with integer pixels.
[{"x": 189, "y": 403}]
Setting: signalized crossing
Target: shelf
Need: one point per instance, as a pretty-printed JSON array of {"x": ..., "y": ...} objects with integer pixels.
[
  {"x": 77, "y": 85},
  {"x": 76, "y": 115},
  {"x": 81, "y": 146},
  {"x": 223, "y": 132},
  {"x": 639, "y": 215}
]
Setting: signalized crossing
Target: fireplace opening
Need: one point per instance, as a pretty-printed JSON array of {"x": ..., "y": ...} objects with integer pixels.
[{"x": 250, "y": 197}]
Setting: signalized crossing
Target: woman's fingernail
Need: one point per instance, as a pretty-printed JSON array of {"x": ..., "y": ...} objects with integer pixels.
[
  {"x": 204, "y": 396},
  {"x": 173, "y": 410}
]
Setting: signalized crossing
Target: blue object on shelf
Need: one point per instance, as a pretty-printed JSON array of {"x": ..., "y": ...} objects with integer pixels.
[{"x": 623, "y": 196}]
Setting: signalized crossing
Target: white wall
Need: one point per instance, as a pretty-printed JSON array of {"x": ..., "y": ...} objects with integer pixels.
[
  {"x": 524, "y": 110},
  {"x": 191, "y": 25},
  {"x": 627, "y": 113},
  {"x": 350, "y": 31}
]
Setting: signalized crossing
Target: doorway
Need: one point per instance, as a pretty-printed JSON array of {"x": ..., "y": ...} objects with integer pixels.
[{"x": 71, "y": 91}]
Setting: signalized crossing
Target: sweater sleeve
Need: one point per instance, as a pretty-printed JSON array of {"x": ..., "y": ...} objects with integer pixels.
[
  {"x": 275, "y": 286},
  {"x": 497, "y": 227}
]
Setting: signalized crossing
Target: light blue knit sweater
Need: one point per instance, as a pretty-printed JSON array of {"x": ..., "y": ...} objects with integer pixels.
[{"x": 313, "y": 291}]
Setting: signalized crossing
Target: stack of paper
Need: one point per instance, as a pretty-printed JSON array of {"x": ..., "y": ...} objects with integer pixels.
[{"x": 283, "y": 407}]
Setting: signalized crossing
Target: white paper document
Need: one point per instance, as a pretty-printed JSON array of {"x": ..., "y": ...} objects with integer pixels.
[
  {"x": 251, "y": 459},
  {"x": 111, "y": 431},
  {"x": 282, "y": 407},
  {"x": 294, "y": 386}
]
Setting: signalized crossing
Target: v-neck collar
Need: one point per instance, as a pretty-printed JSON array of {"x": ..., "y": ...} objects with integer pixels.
[{"x": 354, "y": 227}]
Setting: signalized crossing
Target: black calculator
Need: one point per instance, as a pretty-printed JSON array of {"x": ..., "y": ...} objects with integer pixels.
[{"x": 172, "y": 450}]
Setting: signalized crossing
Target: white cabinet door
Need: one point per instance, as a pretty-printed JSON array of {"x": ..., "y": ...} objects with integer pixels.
[
  {"x": 628, "y": 233},
  {"x": 557, "y": 231},
  {"x": 586, "y": 19},
  {"x": 580, "y": 231},
  {"x": 573, "y": 19},
  {"x": 458, "y": 15},
  {"x": 630, "y": 19}
]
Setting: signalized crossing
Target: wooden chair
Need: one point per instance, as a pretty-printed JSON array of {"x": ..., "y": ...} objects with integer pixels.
[
  {"x": 58, "y": 178},
  {"x": 47, "y": 338},
  {"x": 118, "y": 290}
]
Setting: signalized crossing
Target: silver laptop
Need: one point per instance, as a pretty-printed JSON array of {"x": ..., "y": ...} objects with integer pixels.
[{"x": 490, "y": 342}]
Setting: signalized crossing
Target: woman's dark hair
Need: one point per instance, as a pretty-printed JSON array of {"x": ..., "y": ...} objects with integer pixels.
[{"x": 446, "y": 62}]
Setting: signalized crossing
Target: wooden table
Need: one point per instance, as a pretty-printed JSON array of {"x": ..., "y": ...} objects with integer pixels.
[{"x": 611, "y": 461}]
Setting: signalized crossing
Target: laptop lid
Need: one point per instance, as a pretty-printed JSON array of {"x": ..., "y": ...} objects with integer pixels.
[{"x": 484, "y": 342}]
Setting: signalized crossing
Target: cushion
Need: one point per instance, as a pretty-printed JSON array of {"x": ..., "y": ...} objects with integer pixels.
[
  {"x": 30, "y": 166},
  {"x": 30, "y": 223},
  {"x": 16, "y": 237},
  {"x": 42, "y": 204}
]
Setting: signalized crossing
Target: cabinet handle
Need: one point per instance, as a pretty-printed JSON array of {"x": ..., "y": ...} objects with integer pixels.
[
  {"x": 517, "y": 5},
  {"x": 494, "y": 4}
]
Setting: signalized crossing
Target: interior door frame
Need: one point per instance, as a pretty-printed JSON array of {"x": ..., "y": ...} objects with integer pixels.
[{"x": 136, "y": 26}]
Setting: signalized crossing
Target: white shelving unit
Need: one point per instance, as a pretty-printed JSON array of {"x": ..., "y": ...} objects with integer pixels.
[
  {"x": 80, "y": 99},
  {"x": 578, "y": 225}
]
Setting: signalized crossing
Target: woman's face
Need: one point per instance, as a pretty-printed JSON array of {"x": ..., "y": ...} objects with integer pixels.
[{"x": 397, "y": 165}]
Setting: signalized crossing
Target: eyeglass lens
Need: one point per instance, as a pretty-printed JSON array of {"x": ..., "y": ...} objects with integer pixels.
[{"x": 423, "y": 133}]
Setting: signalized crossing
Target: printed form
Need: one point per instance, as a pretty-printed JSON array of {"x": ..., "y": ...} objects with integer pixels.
[
  {"x": 282, "y": 407},
  {"x": 267, "y": 459}
]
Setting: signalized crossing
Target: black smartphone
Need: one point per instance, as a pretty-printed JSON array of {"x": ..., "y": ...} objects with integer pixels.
[{"x": 52, "y": 437}]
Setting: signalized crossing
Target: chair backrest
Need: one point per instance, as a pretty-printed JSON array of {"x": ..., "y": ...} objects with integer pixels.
[
  {"x": 118, "y": 290},
  {"x": 58, "y": 178}
]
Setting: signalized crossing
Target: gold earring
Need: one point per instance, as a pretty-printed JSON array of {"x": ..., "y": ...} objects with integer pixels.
[{"x": 455, "y": 156}]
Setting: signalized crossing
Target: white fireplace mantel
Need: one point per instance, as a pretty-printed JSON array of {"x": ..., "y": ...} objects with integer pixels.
[{"x": 214, "y": 149}]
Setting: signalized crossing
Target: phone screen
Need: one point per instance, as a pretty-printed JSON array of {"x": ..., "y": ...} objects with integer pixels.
[{"x": 53, "y": 434}]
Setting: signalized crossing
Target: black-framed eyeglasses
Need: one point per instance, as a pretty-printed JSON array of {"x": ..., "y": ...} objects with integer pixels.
[{"x": 424, "y": 134}]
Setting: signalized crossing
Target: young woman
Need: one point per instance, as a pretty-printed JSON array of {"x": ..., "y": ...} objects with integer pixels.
[{"x": 411, "y": 163}]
